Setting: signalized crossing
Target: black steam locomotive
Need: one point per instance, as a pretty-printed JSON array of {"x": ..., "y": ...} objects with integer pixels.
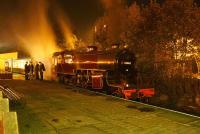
[{"x": 113, "y": 71}]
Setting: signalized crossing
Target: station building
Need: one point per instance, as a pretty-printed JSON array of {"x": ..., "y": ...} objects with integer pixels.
[{"x": 13, "y": 62}]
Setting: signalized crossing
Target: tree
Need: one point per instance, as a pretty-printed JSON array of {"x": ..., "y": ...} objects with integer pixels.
[
  {"x": 128, "y": 36},
  {"x": 178, "y": 30},
  {"x": 145, "y": 35},
  {"x": 110, "y": 27}
]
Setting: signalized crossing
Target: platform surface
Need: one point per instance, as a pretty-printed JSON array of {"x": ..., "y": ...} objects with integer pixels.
[{"x": 53, "y": 108}]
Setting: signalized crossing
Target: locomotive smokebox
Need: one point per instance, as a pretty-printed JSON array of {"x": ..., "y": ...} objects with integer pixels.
[{"x": 125, "y": 65}]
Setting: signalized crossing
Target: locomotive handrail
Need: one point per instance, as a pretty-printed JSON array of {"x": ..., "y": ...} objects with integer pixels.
[
  {"x": 116, "y": 85},
  {"x": 92, "y": 69},
  {"x": 66, "y": 73}
]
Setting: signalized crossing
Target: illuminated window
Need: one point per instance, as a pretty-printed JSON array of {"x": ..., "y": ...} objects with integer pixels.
[
  {"x": 6, "y": 64},
  {"x": 55, "y": 61},
  {"x": 59, "y": 59},
  {"x": 127, "y": 63},
  {"x": 68, "y": 58}
]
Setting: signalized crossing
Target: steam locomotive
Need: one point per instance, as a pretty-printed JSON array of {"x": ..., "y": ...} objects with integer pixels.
[{"x": 112, "y": 71}]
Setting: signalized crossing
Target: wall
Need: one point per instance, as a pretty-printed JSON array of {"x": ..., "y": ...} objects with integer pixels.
[{"x": 6, "y": 56}]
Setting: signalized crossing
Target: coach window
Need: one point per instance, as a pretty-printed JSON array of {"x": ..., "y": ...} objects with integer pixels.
[
  {"x": 59, "y": 58},
  {"x": 55, "y": 61},
  {"x": 68, "y": 58}
]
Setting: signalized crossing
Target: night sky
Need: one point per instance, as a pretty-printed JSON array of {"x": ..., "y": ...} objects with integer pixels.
[{"x": 82, "y": 13}]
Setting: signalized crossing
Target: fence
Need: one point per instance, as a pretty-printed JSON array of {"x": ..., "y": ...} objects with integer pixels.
[{"x": 6, "y": 75}]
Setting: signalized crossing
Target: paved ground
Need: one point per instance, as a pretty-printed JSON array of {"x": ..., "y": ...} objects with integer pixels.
[{"x": 52, "y": 108}]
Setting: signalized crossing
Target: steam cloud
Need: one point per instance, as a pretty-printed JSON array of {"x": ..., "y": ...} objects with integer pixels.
[
  {"x": 28, "y": 27},
  {"x": 27, "y": 24}
]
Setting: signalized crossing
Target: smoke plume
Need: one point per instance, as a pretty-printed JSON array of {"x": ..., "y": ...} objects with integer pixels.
[{"x": 26, "y": 25}]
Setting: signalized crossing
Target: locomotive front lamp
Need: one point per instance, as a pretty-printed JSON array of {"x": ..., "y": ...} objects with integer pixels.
[{"x": 127, "y": 85}]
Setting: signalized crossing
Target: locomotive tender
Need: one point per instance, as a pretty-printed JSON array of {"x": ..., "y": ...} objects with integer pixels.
[{"x": 113, "y": 71}]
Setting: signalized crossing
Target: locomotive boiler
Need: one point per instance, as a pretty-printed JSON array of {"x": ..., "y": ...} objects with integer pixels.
[{"x": 113, "y": 71}]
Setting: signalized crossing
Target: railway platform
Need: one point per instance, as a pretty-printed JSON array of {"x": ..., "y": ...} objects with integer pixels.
[{"x": 52, "y": 108}]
